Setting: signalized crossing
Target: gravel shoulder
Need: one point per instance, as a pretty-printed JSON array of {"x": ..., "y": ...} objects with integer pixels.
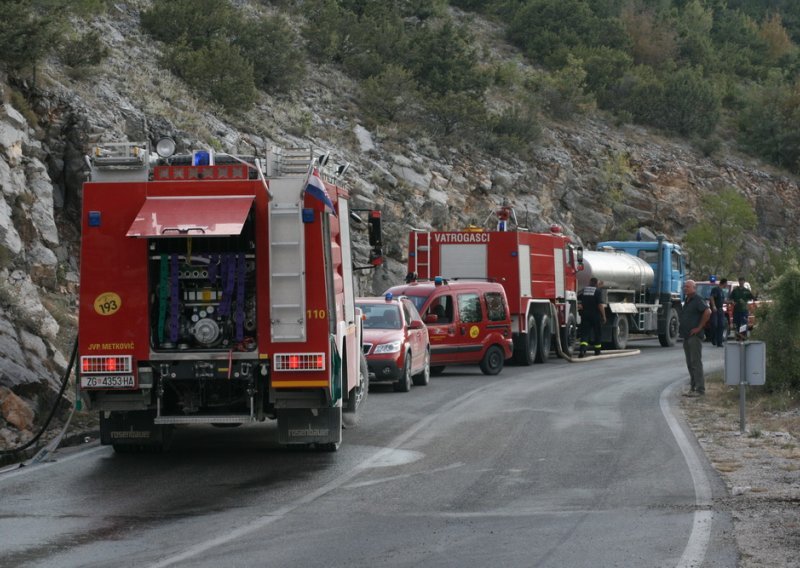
[{"x": 760, "y": 467}]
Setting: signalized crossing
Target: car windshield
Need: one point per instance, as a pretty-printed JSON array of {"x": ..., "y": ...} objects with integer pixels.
[
  {"x": 704, "y": 290},
  {"x": 418, "y": 301},
  {"x": 381, "y": 316}
]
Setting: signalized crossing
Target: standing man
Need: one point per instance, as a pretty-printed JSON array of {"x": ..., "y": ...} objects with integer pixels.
[
  {"x": 593, "y": 315},
  {"x": 693, "y": 319},
  {"x": 719, "y": 324},
  {"x": 740, "y": 296}
]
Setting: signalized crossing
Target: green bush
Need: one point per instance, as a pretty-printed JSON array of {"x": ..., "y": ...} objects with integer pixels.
[
  {"x": 548, "y": 30},
  {"x": 514, "y": 130},
  {"x": 769, "y": 123},
  {"x": 605, "y": 67},
  {"x": 443, "y": 60},
  {"x": 270, "y": 45},
  {"x": 779, "y": 327},
  {"x": 390, "y": 96},
  {"x": 217, "y": 70},
  {"x": 326, "y": 30},
  {"x": 84, "y": 50},
  {"x": 690, "y": 103},
  {"x": 25, "y": 34},
  {"x": 191, "y": 22},
  {"x": 455, "y": 117},
  {"x": 563, "y": 92}
]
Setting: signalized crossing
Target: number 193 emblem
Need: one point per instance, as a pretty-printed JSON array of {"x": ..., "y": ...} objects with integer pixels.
[{"x": 107, "y": 303}]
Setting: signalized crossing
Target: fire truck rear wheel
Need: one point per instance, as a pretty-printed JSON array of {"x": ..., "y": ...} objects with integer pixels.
[
  {"x": 358, "y": 396},
  {"x": 544, "y": 338},
  {"x": 492, "y": 362},
  {"x": 526, "y": 347},
  {"x": 424, "y": 377},
  {"x": 403, "y": 384},
  {"x": 569, "y": 335}
]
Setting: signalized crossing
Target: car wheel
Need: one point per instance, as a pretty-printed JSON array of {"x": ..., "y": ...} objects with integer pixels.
[
  {"x": 403, "y": 384},
  {"x": 437, "y": 370},
  {"x": 424, "y": 377},
  {"x": 544, "y": 339},
  {"x": 492, "y": 362}
]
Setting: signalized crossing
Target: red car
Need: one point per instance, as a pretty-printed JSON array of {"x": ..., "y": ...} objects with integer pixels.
[
  {"x": 395, "y": 342},
  {"x": 469, "y": 322}
]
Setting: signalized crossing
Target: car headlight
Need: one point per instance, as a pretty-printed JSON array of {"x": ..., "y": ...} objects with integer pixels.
[{"x": 392, "y": 347}]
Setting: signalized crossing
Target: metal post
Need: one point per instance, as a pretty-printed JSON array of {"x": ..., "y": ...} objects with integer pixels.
[{"x": 742, "y": 384}]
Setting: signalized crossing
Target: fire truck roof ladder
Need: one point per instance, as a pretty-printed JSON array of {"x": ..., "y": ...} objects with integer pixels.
[
  {"x": 287, "y": 261},
  {"x": 289, "y": 161},
  {"x": 422, "y": 254}
]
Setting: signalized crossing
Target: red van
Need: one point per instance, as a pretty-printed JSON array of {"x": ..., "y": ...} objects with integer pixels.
[{"x": 468, "y": 322}]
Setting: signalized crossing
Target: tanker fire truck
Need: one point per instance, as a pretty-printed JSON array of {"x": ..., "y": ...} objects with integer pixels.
[
  {"x": 217, "y": 289},
  {"x": 643, "y": 284},
  {"x": 537, "y": 270}
]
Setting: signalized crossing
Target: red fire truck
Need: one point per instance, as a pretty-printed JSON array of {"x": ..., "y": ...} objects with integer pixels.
[
  {"x": 537, "y": 270},
  {"x": 217, "y": 289}
]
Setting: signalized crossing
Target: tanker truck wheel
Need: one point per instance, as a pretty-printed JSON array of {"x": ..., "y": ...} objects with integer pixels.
[
  {"x": 544, "y": 339},
  {"x": 527, "y": 346},
  {"x": 619, "y": 332},
  {"x": 670, "y": 335},
  {"x": 569, "y": 335}
]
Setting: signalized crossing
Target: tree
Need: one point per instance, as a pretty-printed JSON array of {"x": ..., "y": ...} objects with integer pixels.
[{"x": 715, "y": 242}]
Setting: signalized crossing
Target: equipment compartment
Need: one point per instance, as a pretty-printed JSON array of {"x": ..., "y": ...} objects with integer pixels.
[{"x": 203, "y": 292}]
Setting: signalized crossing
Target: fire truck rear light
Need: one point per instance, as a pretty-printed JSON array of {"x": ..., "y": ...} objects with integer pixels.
[
  {"x": 299, "y": 361},
  {"x": 106, "y": 364}
]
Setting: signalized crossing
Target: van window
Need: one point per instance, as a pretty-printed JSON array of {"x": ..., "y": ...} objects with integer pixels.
[
  {"x": 469, "y": 308},
  {"x": 495, "y": 306},
  {"x": 442, "y": 308}
]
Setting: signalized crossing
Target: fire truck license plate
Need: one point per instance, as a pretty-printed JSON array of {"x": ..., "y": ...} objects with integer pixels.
[{"x": 108, "y": 382}]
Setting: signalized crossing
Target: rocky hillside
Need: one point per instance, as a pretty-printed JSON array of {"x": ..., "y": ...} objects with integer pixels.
[{"x": 594, "y": 179}]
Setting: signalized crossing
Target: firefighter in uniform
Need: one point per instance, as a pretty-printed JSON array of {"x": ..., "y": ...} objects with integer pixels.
[{"x": 593, "y": 316}]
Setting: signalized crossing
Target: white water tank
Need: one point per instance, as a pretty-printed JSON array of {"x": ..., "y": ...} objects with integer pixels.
[{"x": 616, "y": 269}]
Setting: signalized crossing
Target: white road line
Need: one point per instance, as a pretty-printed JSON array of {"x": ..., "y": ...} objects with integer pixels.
[
  {"x": 265, "y": 520},
  {"x": 696, "y": 547},
  {"x": 403, "y": 476}
]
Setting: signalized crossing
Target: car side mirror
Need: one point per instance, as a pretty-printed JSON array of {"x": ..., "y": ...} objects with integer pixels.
[
  {"x": 431, "y": 318},
  {"x": 416, "y": 324}
]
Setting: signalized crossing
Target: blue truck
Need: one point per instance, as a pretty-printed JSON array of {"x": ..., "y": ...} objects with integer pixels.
[{"x": 643, "y": 287}]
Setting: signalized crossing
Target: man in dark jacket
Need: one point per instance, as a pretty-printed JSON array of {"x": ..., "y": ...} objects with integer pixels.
[
  {"x": 719, "y": 323},
  {"x": 740, "y": 298},
  {"x": 694, "y": 315},
  {"x": 593, "y": 315}
]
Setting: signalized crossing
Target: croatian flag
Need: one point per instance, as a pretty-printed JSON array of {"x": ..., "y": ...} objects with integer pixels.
[{"x": 316, "y": 189}]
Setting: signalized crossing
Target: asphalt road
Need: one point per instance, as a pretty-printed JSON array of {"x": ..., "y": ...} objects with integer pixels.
[{"x": 555, "y": 465}]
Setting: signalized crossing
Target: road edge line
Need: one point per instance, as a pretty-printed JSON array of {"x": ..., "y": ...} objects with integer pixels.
[{"x": 697, "y": 545}]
